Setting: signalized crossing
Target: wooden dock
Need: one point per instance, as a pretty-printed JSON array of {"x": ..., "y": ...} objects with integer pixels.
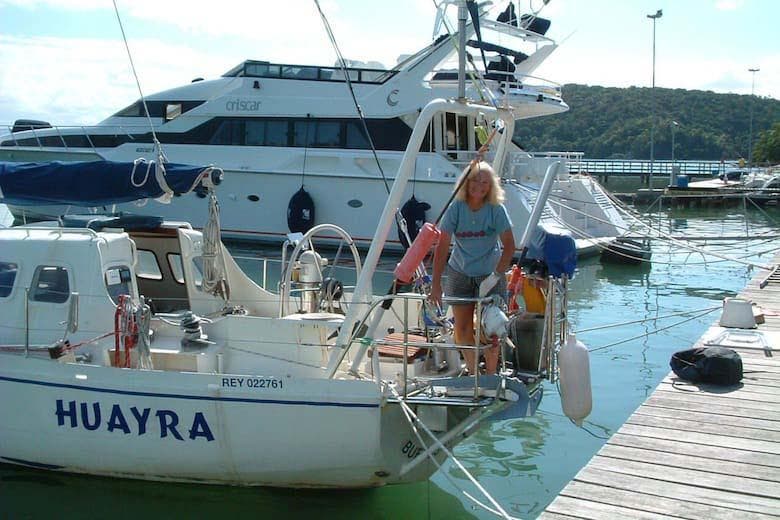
[{"x": 694, "y": 451}]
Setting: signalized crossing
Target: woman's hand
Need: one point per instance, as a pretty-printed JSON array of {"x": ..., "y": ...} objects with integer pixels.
[
  {"x": 440, "y": 254},
  {"x": 435, "y": 296}
]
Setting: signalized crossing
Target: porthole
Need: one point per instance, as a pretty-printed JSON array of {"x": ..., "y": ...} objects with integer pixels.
[
  {"x": 354, "y": 203},
  {"x": 253, "y": 198}
]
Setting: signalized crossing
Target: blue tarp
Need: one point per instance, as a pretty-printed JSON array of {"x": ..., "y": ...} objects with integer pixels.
[
  {"x": 554, "y": 246},
  {"x": 95, "y": 183}
]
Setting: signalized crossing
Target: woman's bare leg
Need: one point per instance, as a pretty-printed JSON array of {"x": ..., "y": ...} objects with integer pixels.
[
  {"x": 491, "y": 360},
  {"x": 464, "y": 332}
]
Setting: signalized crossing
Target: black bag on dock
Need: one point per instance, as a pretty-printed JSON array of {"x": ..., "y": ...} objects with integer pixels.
[{"x": 714, "y": 365}]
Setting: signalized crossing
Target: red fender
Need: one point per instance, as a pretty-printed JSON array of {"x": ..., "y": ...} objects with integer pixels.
[{"x": 426, "y": 238}]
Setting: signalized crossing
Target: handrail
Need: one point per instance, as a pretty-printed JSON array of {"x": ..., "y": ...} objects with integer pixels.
[
  {"x": 511, "y": 81},
  {"x": 553, "y": 337},
  {"x": 659, "y": 167},
  {"x": 57, "y": 229},
  {"x": 305, "y": 241},
  {"x": 406, "y": 297}
]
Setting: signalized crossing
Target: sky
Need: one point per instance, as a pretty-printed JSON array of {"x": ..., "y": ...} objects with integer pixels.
[{"x": 65, "y": 61}]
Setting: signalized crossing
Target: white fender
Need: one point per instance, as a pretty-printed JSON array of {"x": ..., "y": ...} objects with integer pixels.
[{"x": 574, "y": 365}]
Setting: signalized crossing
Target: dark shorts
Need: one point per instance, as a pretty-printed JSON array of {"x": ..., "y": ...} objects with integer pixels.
[{"x": 459, "y": 285}]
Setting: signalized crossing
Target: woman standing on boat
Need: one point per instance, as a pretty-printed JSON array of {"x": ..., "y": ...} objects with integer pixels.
[{"x": 478, "y": 227}]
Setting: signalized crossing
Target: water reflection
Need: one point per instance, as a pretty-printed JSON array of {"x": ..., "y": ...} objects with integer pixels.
[{"x": 88, "y": 497}]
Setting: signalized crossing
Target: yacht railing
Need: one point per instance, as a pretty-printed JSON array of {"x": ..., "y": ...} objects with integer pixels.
[
  {"x": 553, "y": 335},
  {"x": 63, "y": 136},
  {"x": 521, "y": 166},
  {"x": 264, "y": 69},
  {"x": 509, "y": 81},
  {"x": 506, "y": 83}
]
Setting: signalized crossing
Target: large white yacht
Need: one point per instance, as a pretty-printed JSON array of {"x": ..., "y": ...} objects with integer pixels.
[{"x": 276, "y": 128}]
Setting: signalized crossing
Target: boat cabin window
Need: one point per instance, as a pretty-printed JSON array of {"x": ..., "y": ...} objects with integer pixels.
[
  {"x": 388, "y": 134},
  {"x": 296, "y": 72},
  {"x": 7, "y": 276},
  {"x": 356, "y": 137},
  {"x": 177, "y": 268},
  {"x": 118, "y": 281},
  {"x": 172, "y": 111},
  {"x": 166, "y": 109},
  {"x": 148, "y": 267},
  {"x": 322, "y": 133},
  {"x": 457, "y": 134},
  {"x": 197, "y": 261},
  {"x": 263, "y": 69},
  {"x": 50, "y": 284}
]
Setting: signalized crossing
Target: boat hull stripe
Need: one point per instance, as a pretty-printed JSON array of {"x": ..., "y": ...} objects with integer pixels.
[
  {"x": 32, "y": 464},
  {"x": 188, "y": 397}
]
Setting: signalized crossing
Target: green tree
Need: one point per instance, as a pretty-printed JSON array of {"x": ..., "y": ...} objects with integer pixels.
[
  {"x": 767, "y": 148},
  {"x": 608, "y": 122}
]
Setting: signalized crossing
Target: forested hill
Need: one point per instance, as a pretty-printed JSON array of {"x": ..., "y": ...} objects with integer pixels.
[{"x": 607, "y": 122}]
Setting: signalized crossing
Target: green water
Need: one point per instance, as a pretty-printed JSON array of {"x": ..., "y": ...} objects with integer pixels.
[{"x": 522, "y": 463}]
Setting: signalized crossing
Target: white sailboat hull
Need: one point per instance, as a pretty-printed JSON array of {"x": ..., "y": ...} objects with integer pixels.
[{"x": 206, "y": 428}]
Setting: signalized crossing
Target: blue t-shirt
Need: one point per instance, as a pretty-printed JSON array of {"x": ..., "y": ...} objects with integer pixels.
[{"x": 475, "y": 236}]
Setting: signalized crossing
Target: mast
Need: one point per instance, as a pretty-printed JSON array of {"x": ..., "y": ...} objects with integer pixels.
[{"x": 462, "y": 14}]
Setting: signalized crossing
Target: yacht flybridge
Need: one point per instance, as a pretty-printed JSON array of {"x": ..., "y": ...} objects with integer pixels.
[{"x": 298, "y": 154}]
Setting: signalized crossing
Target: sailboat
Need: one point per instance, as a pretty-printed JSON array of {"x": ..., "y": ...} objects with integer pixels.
[{"x": 132, "y": 346}]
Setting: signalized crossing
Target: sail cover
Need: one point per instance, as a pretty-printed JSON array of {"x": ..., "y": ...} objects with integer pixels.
[{"x": 97, "y": 183}]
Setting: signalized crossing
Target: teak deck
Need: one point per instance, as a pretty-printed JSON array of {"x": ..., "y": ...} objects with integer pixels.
[{"x": 696, "y": 452}]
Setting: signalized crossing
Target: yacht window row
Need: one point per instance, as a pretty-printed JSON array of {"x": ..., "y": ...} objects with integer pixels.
[
  {"x": 387, "y": 134},
  {"x": 264, "y": 69}
]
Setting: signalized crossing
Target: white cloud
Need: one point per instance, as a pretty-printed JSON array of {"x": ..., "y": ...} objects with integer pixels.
[
  {"x": 81, "y": 81},
  {"x": 76, "y": 5},
  {"x": 728, "y": 5}
]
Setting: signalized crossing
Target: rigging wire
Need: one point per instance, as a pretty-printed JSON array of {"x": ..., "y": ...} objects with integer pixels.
[
  {"x": 412, "y": 418},
  {"x": 400, "y": 220},
  {"x": 659, "y": 235},
  {"x": 656, "y": 331},
  {"x": 305, "y": 149},
  {"x": 157, "y": 144},
  {"x": 654, "y": 318},
  {"x": 343, "y": 65}
]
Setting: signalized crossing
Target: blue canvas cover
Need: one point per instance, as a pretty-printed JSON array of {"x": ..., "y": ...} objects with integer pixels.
[
  {"x": 94, "y": 183},
  {"x": 555, "y": 247}
]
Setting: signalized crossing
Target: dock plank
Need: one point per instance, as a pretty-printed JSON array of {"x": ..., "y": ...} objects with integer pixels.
[
  {"x": 683, "y": 447},
  {"x": 684, "y": 425},
  {"x": 691, "y": 460},
  {"x": 709, "y": 418},
  {"x": 590, "y": 509},
  {"x": 743, "y": 400},
  {"x": 702, "y": 438},
  {"x": 679, "y": 403},
  {"x": 746, "y": 386},
  {"x": 694, "y": 451},
  {"x": 546, "y": 515},
  {"x": 687, "y": 493},
  {"x": 655, "y": 504},
  {"x": 749, "y": 393},
  {"x": 706, "y": 479}
]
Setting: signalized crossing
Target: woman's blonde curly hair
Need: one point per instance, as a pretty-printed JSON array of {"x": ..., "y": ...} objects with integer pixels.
[{"x": 496, "y": 194}]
